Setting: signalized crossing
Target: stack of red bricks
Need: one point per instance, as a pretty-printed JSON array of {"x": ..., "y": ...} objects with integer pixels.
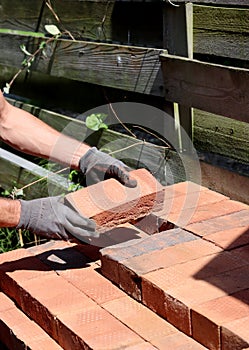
[{"x": 175, "y": 279}]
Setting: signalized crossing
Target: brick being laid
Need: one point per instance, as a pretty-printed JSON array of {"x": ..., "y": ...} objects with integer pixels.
[{"x": 109, "y": 203}]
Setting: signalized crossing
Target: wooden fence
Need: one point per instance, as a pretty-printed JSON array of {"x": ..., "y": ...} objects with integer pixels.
[{"x": 194, "y": 54}]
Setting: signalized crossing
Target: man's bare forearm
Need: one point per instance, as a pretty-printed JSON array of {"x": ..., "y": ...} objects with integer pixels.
[
  {"x": 28, "y": 134},
  {"x": 10, "y": 212}
]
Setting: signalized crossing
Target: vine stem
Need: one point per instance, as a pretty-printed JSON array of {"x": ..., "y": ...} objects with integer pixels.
[
  {"x": 39, "y": 180},
  {"x": 49, "y": 5},
  {"x": 29, "y": 60}
]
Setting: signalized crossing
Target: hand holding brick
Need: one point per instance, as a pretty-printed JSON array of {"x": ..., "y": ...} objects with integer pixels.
[{"x": 109, "y": 203}]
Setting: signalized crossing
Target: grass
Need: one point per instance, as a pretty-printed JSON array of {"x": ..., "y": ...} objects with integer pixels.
[{"x": 9, "y": 240}]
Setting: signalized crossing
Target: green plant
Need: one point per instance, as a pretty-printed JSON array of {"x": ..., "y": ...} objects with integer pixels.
[
  {"x": 30, "y": 57},
  {"x": 95, "y": 121}
]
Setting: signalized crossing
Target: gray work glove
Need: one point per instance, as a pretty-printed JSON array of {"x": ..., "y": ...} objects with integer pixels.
[
  {"x": 98, "y": 166},
  {"x": 51, "y": 218}
]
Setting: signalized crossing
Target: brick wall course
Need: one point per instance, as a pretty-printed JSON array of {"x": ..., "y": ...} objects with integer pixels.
[
  {"x": 217, "y": 224},
  {"x": 218, "y": 312},
  {"x": 19, "y": 332}
]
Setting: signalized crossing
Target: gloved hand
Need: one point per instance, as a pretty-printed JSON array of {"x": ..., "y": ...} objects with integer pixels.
[
  {"x": 98, "y": 166},
  {"x": 51, "y": 218}
]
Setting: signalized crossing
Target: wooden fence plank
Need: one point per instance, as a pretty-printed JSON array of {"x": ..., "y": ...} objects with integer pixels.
[
  {"x": 83, "y": 19},
  {"x": 102, "y": 20},
  {"x": 178, "y": 39},
  {"x": 123, "y": 67},
  {"x": 221, "y": 31},
  {"x": 211, "y": 133},
  {"x": 165, "y": 164},
  {"x": 221, "y": 44},
  {"x": 21, "y": 15},
  {"x": 232, "y": 20},
  {"x": 209, "y": 87},
  {"x": 129, "y": 68}
]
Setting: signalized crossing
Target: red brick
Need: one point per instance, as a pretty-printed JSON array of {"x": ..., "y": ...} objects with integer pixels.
[
  {"x": 180, "y": 299},
  {"x": 93, "y": 284},
  {"x": 230, "y": 238},
  {"x": 142, "y": 346},
  {"x": 207, "y": 318},
  {"x": 234, "y": 220},
  {"x": 154, "y": 297},
  {"x": 5, "y": 303},
  {"x": 206, "y": 332},
  {"x": 14, "y": 255},
  {"x": 98, "y": 329},
  {"x": 230, "y": 281},
  {"x": 139, "y": 318},
  {"x": 56, "y": 294},
  {"x": 209, "y": 211},
  {"x": 52, "y": 299},
  {"x": 17, "y": 331},
  {"x": 25, "y": 269},
  {"x": 205, "y": 212},
  {"x": 129, "y": 281},
  {"x": 235, "y": 334},
  {"x": 187, "y": 187},
  {"x": 43, "y": 299},
  {"x": 110, "y": 269},
  {"x": 178, "y": 203},
  {"x": 152, "y": 243},
  {"x": 170, "y": 256},
  {"x": 109, "y": 203},
  {"x": 200, "y": 268},
  {"x": 242, "y": 253},
  {"x": 177, "y": 341},
  {"x": 52, "y": 245}
]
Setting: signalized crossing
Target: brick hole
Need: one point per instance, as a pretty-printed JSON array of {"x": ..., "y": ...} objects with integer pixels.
[{"x": 152, "y": 224}]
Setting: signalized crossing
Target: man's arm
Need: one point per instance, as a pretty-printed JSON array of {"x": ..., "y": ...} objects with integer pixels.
[
  {"x": 10, "y": 212},
  {"x": 28, "y": 134}
]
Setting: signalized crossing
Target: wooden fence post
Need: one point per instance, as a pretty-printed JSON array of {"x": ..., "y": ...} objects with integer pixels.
[{"x": 178, "y": 40}]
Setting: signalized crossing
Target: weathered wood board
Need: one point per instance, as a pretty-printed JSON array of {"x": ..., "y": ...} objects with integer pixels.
[
  {"x": 209, "y": 87},
  {"x": 221, "y": 31},
  {"x": 129, "y": 68},
  {"x": 218, "y": 30},
  {"x": 109, "y": 21},
  {"x": 135, "y": 152},
  {"x": 220, "y": 135},
  {"x": 212, "y": 133},
  {"x": 20, "y": 15}
]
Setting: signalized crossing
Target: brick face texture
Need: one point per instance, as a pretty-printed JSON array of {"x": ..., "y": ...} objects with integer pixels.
[
  {"x": 182, "y": 288},
  {"x": 109, "y": 203}
]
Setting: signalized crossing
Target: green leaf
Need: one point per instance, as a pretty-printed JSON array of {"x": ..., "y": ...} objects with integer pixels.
[
  {"x": 103, "y": 126},
  {"x": 52, "y": 29},
  {"x": 95, "y": 121}
]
